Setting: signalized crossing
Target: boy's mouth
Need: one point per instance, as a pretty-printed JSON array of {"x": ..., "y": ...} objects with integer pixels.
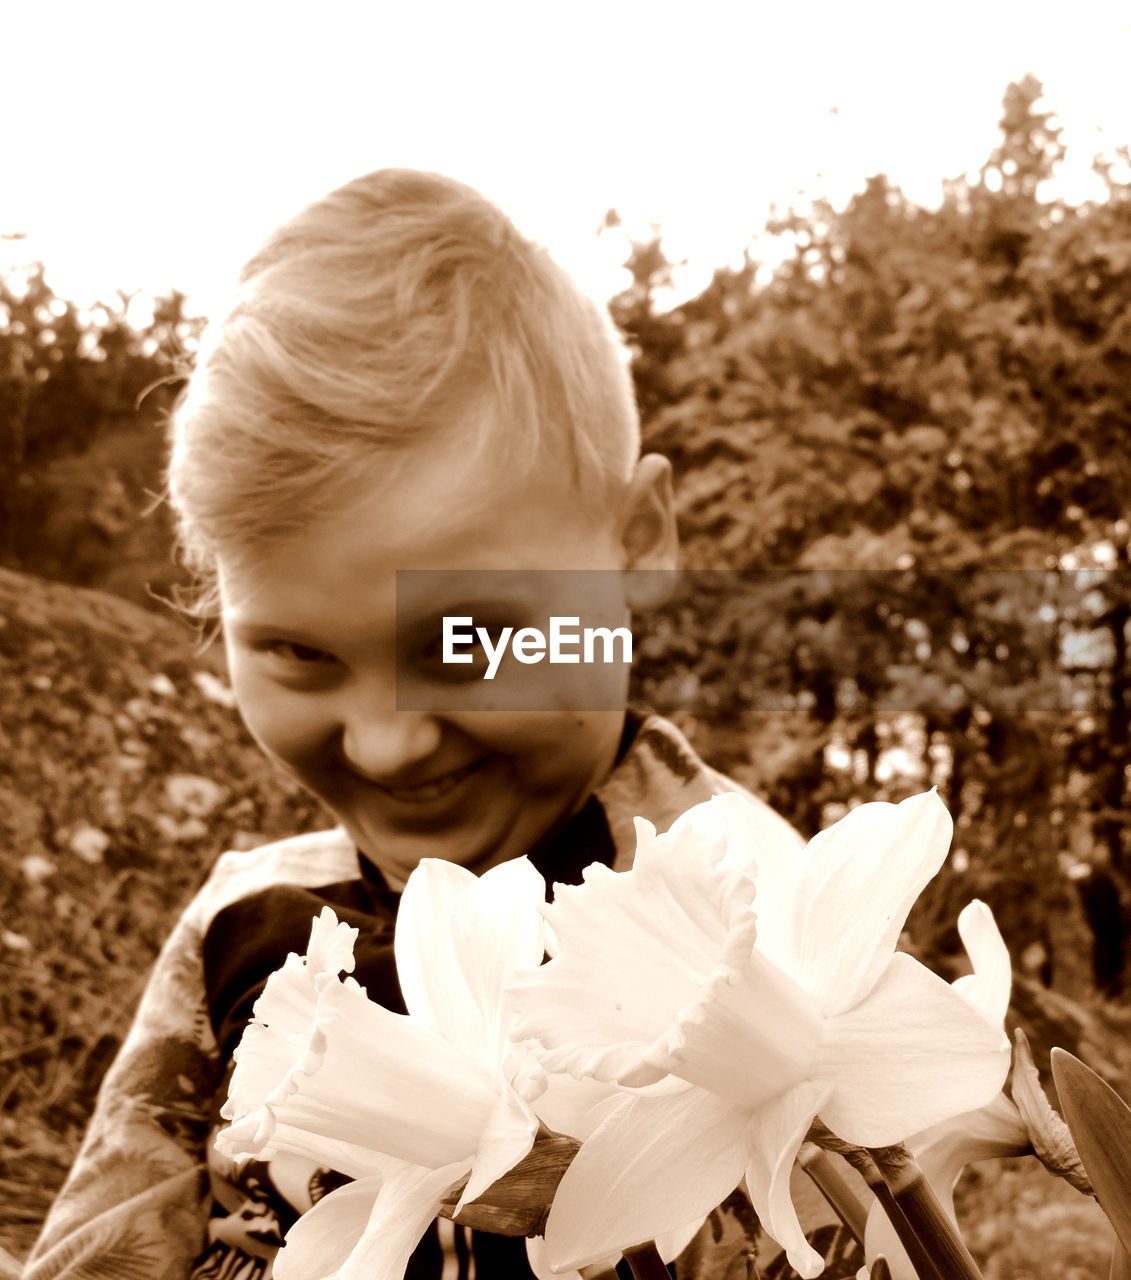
[{"x": 434, "y": 788}]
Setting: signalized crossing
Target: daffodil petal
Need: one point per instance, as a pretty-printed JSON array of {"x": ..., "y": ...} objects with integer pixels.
[
  {"x": 405, "y": 1204},
  {"x": 988, "y": 987},
  {"x": 498, "y": 930},
  {"x": 654, "y": 1161},
  {"x": 459, "y": 937},
  {"x": 860, "y": 879},
  {"x": 507, "y": 1138},
  {"x": 324, "y": 1236},
  {"x": 670, "y": 1244},
  {"x": 241, "y": 1140},
  {"x": 883, "y": 1058},
  {"x": 330, "y": 949},
  {"x": 776, "y": 1132},
  {"x": 990, "y": 1132},
  {"x": 539, "y": 1258},
  {"x": 575, "y": 1107},
  {"x": 429, "y": 965}
]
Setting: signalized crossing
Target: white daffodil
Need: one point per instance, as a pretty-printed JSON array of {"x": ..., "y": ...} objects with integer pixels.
[
  {"x": 994, "y": 1130},
  {"x": 406, "y": 1105},
  {"x": 759, "y": 984}
]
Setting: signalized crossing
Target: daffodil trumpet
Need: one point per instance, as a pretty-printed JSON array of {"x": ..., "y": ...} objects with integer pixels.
[{"x": 929, "y": 1221}]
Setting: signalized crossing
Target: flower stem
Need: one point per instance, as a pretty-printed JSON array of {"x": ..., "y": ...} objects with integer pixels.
[
  {"x": 823, "y": 1170},
  {"x": 917, "y": 1255},
  {"x": 645, "y": 1263},
  {"x": 866, "y": 1167},
  {"x": 928, "y": 1220},
  {"x": 598, "y": 1272}
]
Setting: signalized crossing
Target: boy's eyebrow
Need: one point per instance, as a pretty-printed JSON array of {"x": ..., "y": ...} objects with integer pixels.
[
  {"x": 428, "y": 622},
  {"x": 252, "y": 630},
  {"x": 417, "y": 604},
  {"x": 484, "y": 608}
]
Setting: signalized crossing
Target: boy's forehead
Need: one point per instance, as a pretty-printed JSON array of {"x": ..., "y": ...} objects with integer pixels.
[
  {"x": 462, "y": 505},
  {"x": 514, "y": 595},
  {"x": 480, "y": 533}
]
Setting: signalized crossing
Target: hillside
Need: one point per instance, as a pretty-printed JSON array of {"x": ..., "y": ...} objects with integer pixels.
[{"x": 124, "y": 771}]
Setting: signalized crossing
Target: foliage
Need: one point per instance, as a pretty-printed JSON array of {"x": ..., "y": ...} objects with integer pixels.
[
  {"x": 83, "y": 395},
  {"x": 938, "y": 400},
  {"x": 1019, "y": 1222}
]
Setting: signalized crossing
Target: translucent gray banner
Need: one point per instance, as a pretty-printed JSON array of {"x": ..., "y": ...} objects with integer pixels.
[{"x": 724, "y": 641}]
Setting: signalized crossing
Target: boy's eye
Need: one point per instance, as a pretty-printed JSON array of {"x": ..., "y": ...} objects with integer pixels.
[
  {"x": 429, "y": 659},
  {"x": 431, "y": 662},
  {"x": 289, "y": 651}
]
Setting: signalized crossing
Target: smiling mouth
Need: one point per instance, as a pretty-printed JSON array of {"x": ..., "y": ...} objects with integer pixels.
[{"x": 436, "y": 789}]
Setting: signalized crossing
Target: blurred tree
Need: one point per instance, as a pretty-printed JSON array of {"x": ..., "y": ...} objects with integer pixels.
[
  {"x": 946, "y": 391},
  {"x": 82, "y": 401},
  {"x": 652, "y": 339}
]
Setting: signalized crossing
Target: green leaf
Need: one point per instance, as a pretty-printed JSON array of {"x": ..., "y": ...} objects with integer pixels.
[{"x": 1100, "y": 1122}]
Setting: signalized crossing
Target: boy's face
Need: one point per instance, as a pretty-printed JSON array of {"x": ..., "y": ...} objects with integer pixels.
[{"x": 312, "y": 628}]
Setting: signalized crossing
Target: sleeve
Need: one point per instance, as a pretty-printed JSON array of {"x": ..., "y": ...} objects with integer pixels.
[{"x": 136, "y": 1203}]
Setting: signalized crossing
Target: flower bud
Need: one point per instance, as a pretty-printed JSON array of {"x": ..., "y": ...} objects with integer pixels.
[{"x": 1051, "y": 1139}]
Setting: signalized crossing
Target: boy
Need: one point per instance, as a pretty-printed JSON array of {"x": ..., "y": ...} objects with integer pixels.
[{"x": 402, "y": 383}]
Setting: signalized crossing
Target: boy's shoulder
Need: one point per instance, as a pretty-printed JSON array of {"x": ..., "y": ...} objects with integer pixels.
[
  {"x": 306, "y": 861},
  {"x": 660, "y": 777}
]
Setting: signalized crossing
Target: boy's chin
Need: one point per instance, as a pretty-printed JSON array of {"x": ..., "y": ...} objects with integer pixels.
[{"x": 396, "y": 871}]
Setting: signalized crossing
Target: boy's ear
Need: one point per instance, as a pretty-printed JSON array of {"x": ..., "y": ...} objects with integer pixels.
[{"x": 648, "y": 535}]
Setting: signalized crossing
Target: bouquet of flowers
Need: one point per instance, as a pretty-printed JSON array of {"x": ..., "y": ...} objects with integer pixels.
[{"x": 724, "y": 1009}]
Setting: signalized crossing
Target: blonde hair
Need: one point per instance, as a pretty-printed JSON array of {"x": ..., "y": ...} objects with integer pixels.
[{"x": 380, "y": 317}]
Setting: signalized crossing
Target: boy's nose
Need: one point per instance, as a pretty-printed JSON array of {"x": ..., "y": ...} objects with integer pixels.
[{"x": 387, "y": 746}]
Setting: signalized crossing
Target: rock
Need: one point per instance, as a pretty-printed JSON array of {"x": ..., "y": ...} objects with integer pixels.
[
  {"x": 87, "y": 842},
  {"x": 189, "y": 793}
]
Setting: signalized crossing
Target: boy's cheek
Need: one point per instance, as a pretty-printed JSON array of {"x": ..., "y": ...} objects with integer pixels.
[
  {"x": 551, "y": 749},
  {"x": 283, "y": 723},
  {"x": 544, "y": 691}
]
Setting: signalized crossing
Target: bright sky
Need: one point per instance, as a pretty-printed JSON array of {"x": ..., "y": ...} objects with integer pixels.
[{"x": 152, "y": 144}]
